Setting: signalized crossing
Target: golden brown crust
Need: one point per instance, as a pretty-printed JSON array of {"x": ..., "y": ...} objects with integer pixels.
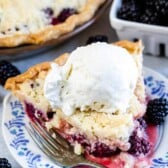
[
  {"x": 32, "y": 72},
  {"x": 132, "y": 47},
  {"x": 53, "y": 32},
  {"x": 12, "y": 83}
]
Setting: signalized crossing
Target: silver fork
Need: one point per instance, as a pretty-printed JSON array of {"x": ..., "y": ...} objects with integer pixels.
[{"x": 57, "y": 149}]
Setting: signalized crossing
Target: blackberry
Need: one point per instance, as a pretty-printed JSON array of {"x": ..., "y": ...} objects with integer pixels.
[
  {"x": 139, "y": 3},
  {"x": 81, "y": 139},
  {"x": 102, "y": 150},
  {"x": 63, "y": 16},
  {"x": 7, "y": 70},
  {"x": 96, "y": 38},
  {"x": 50, "y": 114},
  {"x": 48, "y": 11},
  {"x": 35, "y": 114},
  {"x": 97, "y": 149},
  {"x": 55, "y": 21},
  {"x": 4, "y": 163},
  {"x": 148, "y": 12},
  {"x": 142, "y": 123},
  {"x": 163, "y": 20},
  {"x": 157, "y": 110},
  {"x": 140, "y": 146},
  {"x": 160, "y": 6},
  {"x": 129, "y": 11},
  {"x": 149, "y": 17}
]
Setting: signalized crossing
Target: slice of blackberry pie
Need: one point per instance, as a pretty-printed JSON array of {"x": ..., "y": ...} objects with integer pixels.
[
  {"x": 35, "y": 22},
  {"x": 94, "y": 97}
]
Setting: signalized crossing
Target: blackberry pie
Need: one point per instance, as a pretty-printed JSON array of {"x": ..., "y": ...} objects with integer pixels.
[
  {"x": 94, "y": 97},
  {"x": 35, "y": 22}
]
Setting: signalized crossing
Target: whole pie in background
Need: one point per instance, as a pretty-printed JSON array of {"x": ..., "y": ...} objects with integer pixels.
[{"x": 35, "y": 22}]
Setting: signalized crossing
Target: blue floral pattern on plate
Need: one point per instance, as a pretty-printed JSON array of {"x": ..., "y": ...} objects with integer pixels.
[
  {"x": 19, "y": 140},
  {"x": 27, "y": 153}
]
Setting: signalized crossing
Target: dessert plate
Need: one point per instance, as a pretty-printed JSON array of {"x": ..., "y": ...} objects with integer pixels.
[
  {"x": 27, "y": 153},
  {"x": 29, "y": 50}
]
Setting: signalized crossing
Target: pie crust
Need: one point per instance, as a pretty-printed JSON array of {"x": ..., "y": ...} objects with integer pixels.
[{"x": 53, "y": 31}]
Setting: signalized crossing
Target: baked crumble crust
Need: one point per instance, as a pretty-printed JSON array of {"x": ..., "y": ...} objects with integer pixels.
[{"x": 53, "y": 31}]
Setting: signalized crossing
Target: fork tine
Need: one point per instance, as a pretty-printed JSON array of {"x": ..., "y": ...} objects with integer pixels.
[
  {"x": 48, "y": 137},
  {"x": 58, "y": 139},
  {"x": 61, "y": 140},
  {"x": 44, "y": 148},
  {"x": 65, "y": 159},
  {"x": 39, "y": 137}
]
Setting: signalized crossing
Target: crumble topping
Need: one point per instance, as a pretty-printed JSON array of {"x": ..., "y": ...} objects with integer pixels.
[{"x": 23, "y": 17}]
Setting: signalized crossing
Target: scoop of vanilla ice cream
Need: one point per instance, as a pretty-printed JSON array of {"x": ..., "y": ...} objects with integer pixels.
[{"x": 99, "y": 77}]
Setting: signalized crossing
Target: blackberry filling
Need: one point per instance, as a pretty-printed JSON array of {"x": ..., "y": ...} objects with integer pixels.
[
  {"x": 35, "y": 114},
  {"x": 50, "y": 115},
  {"x": 139, "y": 144},
  {"x": 49, "y": 12},
  {"x": 55, "y": 21},
  {"x": 142, "y": 123},
  {"x": 98, "y": 149},
  {"x": 102, "y": 150},
  {"x": 79, "y": 138},
  {"x": 65, "y": 13},
  {"x": 63, "y": 16}
]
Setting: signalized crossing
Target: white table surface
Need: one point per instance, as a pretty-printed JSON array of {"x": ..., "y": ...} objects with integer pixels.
[{"x": 102, "y": 26}]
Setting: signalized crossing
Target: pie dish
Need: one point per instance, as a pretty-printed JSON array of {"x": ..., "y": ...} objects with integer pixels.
[
  {"x": 90, "y": 129},
  {"x": 44, "y": 21}
]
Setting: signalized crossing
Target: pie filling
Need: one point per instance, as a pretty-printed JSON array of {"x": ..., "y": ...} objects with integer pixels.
[{"x": 138, "y": 144}]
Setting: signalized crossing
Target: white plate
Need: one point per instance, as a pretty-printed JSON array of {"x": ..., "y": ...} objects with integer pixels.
[{"x": 27, "y": 153}]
